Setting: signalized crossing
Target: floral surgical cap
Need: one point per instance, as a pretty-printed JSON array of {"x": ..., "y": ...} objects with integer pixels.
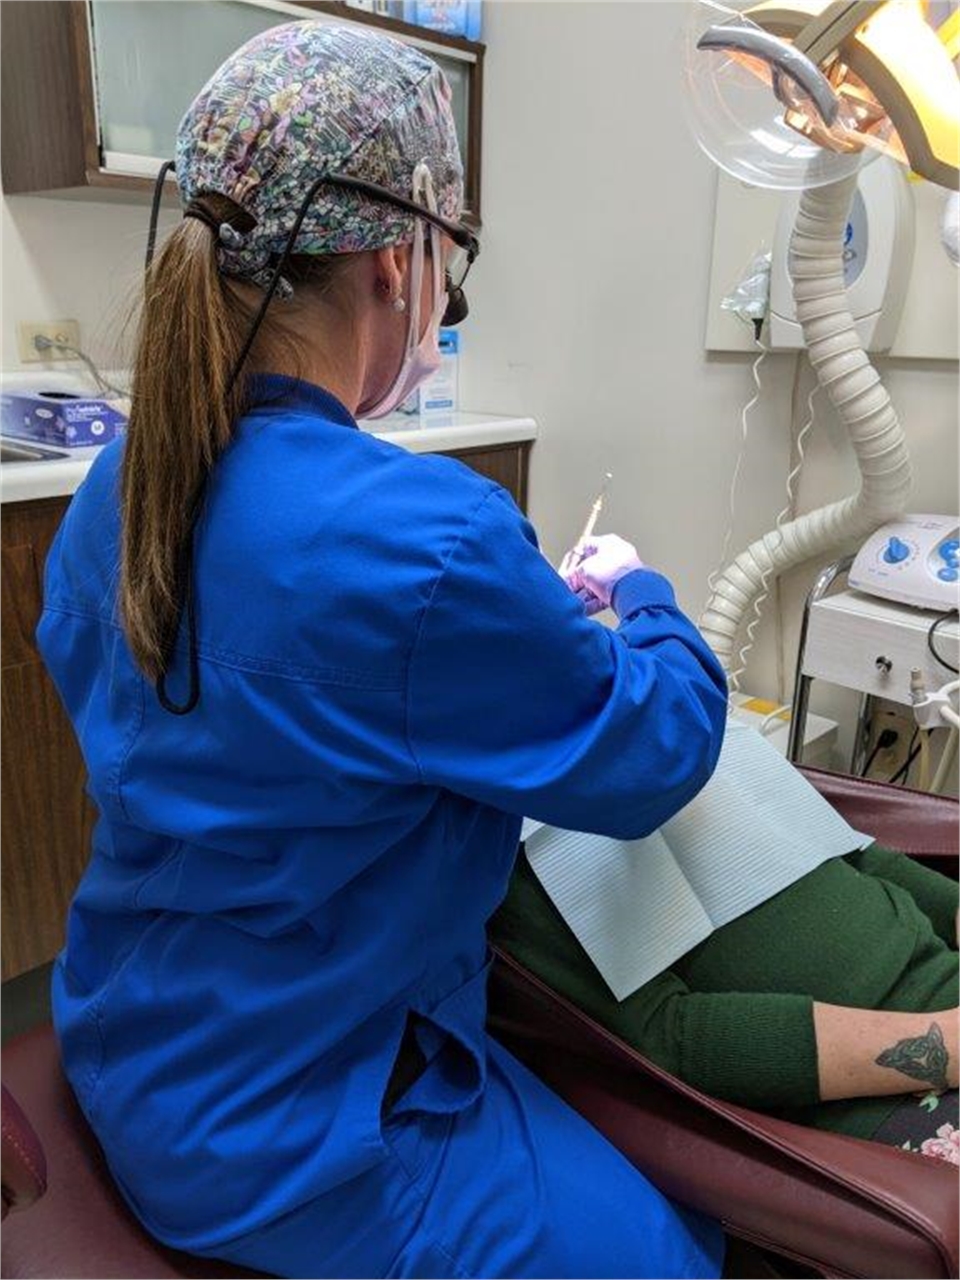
[{"x": 309, "y": 97}]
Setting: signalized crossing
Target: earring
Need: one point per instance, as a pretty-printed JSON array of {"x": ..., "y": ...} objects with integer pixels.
[{"x": 399, "y": 305}]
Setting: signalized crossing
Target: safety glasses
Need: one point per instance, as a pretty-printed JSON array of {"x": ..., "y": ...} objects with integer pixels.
[
  {"x": 459, "y": 263},
  {"x": 465, "y": 253},
  {"x": 467, "y": 245}
]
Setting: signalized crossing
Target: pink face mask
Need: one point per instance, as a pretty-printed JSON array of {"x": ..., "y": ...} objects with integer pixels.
[{"x": 421, "y": 357}]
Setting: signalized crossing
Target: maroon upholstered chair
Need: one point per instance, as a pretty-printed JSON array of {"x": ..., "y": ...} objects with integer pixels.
[
  {"x": 837, "y": 1206},
  {"x": 62, "y": 1213}
]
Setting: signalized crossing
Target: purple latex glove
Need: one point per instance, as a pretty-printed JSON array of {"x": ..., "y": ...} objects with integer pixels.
[{"x": 593, "y": 568}]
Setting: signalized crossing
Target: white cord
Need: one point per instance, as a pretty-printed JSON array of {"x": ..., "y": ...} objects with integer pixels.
[
  {"x": 760, "y": 598},
  {"x": 774, "y": 715},
  {"x": 43, "y": 343},
  {"x": 735, "y": 481},
  {"x": 947, "y": 712},
  {"x": 947, "y": 757},
  {"x": 788, "y": 509},
  {"x": 930, "y": 709}
]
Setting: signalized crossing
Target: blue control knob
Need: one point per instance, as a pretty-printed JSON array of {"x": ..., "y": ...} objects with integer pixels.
[
  {"x": 950, "y": 548},
  {"x": 948, "y": 574},
  {"x": 895, "y": 551}
]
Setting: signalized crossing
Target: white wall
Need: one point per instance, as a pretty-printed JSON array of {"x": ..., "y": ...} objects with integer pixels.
[
  {"x": 71, "y": 260},
  {"x": 588, "y": 312},
  {"x": 589, "y": 295},
  {"x": 587, "y": 308}
]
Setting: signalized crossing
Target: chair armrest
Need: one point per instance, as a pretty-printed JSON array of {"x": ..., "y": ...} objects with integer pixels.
[
  {"x": 24, "y": 1171},
  {"x": 914, "y": 822},
  {"x": 847, "y": 1207}
]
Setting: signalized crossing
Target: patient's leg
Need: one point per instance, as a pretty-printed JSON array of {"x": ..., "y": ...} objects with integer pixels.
[{"x": 928, "y": 1125}]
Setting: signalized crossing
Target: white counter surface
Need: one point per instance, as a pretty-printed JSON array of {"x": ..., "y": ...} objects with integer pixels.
[
  {"x": 57, "y": 478},
  {"x": 458, "y": 431}
]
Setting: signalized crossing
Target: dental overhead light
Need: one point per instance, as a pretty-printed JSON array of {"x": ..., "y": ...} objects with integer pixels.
[{"x": 799, "y": 94}]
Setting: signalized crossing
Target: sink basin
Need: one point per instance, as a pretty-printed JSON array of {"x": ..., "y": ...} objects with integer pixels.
[{"x": 21, "y": 451}]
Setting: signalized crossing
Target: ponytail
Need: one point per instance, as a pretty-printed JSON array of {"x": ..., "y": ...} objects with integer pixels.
[{"x": 184, "y": 408}]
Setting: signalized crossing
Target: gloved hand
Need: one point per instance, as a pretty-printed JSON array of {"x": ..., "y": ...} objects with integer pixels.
[{"x": 592, "y": 569}]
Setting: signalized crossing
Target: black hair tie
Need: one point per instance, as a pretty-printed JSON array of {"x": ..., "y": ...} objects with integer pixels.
[
  {"x": 227, "y": 235},
  {"x": 200, "y": 211}
]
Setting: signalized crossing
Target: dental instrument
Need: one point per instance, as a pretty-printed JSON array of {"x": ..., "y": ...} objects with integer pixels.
[{"x": 592, "y": 518}]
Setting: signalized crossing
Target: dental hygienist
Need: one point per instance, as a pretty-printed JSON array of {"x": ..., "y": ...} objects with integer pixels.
[{"x": 317, "y": 680}]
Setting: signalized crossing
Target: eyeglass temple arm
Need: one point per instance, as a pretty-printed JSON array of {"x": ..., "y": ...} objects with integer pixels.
[{"x": 459, "y": 234}]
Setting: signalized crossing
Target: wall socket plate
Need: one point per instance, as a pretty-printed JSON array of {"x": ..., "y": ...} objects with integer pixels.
[
  {"x": 64, "y": 331},
  {"x": 889, "y": 715}
]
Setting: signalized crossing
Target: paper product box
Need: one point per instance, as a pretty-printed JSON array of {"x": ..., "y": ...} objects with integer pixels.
[
  {"x": 453, "y": 17},
  {"x": 60, "y": 418},
  {"x": 438, "y": 395}
]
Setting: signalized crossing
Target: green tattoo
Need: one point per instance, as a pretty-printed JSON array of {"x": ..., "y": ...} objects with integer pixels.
[{"x": 920, "y": 1057}]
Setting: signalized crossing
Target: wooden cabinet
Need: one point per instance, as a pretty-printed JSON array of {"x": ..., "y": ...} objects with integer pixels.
[
  {"x": 46, "y": 818},
  {"x": 92, "y": 91},
  {"x": 507, "y": 464}
]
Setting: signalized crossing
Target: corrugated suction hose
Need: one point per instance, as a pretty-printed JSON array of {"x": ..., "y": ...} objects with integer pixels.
[{"x": 862, "y": 403}]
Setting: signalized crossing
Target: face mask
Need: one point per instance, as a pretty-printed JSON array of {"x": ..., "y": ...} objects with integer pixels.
[{"x": 421, "y": 357}]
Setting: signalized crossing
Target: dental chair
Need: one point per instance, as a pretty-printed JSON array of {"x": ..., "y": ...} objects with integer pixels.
[
  {"x": 805, "y": 1202},
  {"x": 794, "y": 1201},
  {"x": 62, "y": 1213}
]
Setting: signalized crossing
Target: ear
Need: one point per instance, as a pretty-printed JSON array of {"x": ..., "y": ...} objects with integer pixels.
[{"x": 390, "y": 271}]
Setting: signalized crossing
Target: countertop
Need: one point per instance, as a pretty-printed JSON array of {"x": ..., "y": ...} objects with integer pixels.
[{"x": 57, "y": 478}]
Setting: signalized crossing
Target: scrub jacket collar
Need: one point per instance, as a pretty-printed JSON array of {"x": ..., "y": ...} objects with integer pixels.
[{"x": 269, "y": 390}]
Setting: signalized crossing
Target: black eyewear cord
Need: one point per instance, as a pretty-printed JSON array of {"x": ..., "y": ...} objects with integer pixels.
[{"x": 456, "y": 311}]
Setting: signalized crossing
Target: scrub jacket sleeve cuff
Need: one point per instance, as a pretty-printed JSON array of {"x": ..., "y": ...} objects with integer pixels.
[{"x": 642, "y": 589}]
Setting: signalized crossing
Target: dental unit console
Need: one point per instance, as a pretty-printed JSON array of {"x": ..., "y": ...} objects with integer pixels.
[{"x": 914, "y": 560}]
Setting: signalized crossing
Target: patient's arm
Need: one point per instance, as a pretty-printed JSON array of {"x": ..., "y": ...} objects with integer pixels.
[
  {"x": 756, "y": 1049},
  {"x": 936, "y": 895},
  {"x": 760, "y": 1049},
  {"x": 869, "y": 1052}
]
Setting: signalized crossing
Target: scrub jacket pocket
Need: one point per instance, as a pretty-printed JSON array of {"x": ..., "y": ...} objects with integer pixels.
[{"x": 457, "y": 1061}]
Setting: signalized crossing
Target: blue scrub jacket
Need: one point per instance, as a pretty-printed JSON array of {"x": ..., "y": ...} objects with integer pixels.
[{"x": 391, "y": 675}]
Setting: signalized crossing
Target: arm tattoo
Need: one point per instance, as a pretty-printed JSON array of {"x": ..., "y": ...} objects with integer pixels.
[{"x": 919, "y": 1057}]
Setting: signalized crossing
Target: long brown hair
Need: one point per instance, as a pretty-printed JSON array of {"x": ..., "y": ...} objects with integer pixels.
[{"x": 185, "y": 404}]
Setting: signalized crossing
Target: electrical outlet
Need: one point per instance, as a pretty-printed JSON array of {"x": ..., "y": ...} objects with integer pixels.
[
  {"x": 890, "y": 718},
  {"x": 66, "y": 332}
]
